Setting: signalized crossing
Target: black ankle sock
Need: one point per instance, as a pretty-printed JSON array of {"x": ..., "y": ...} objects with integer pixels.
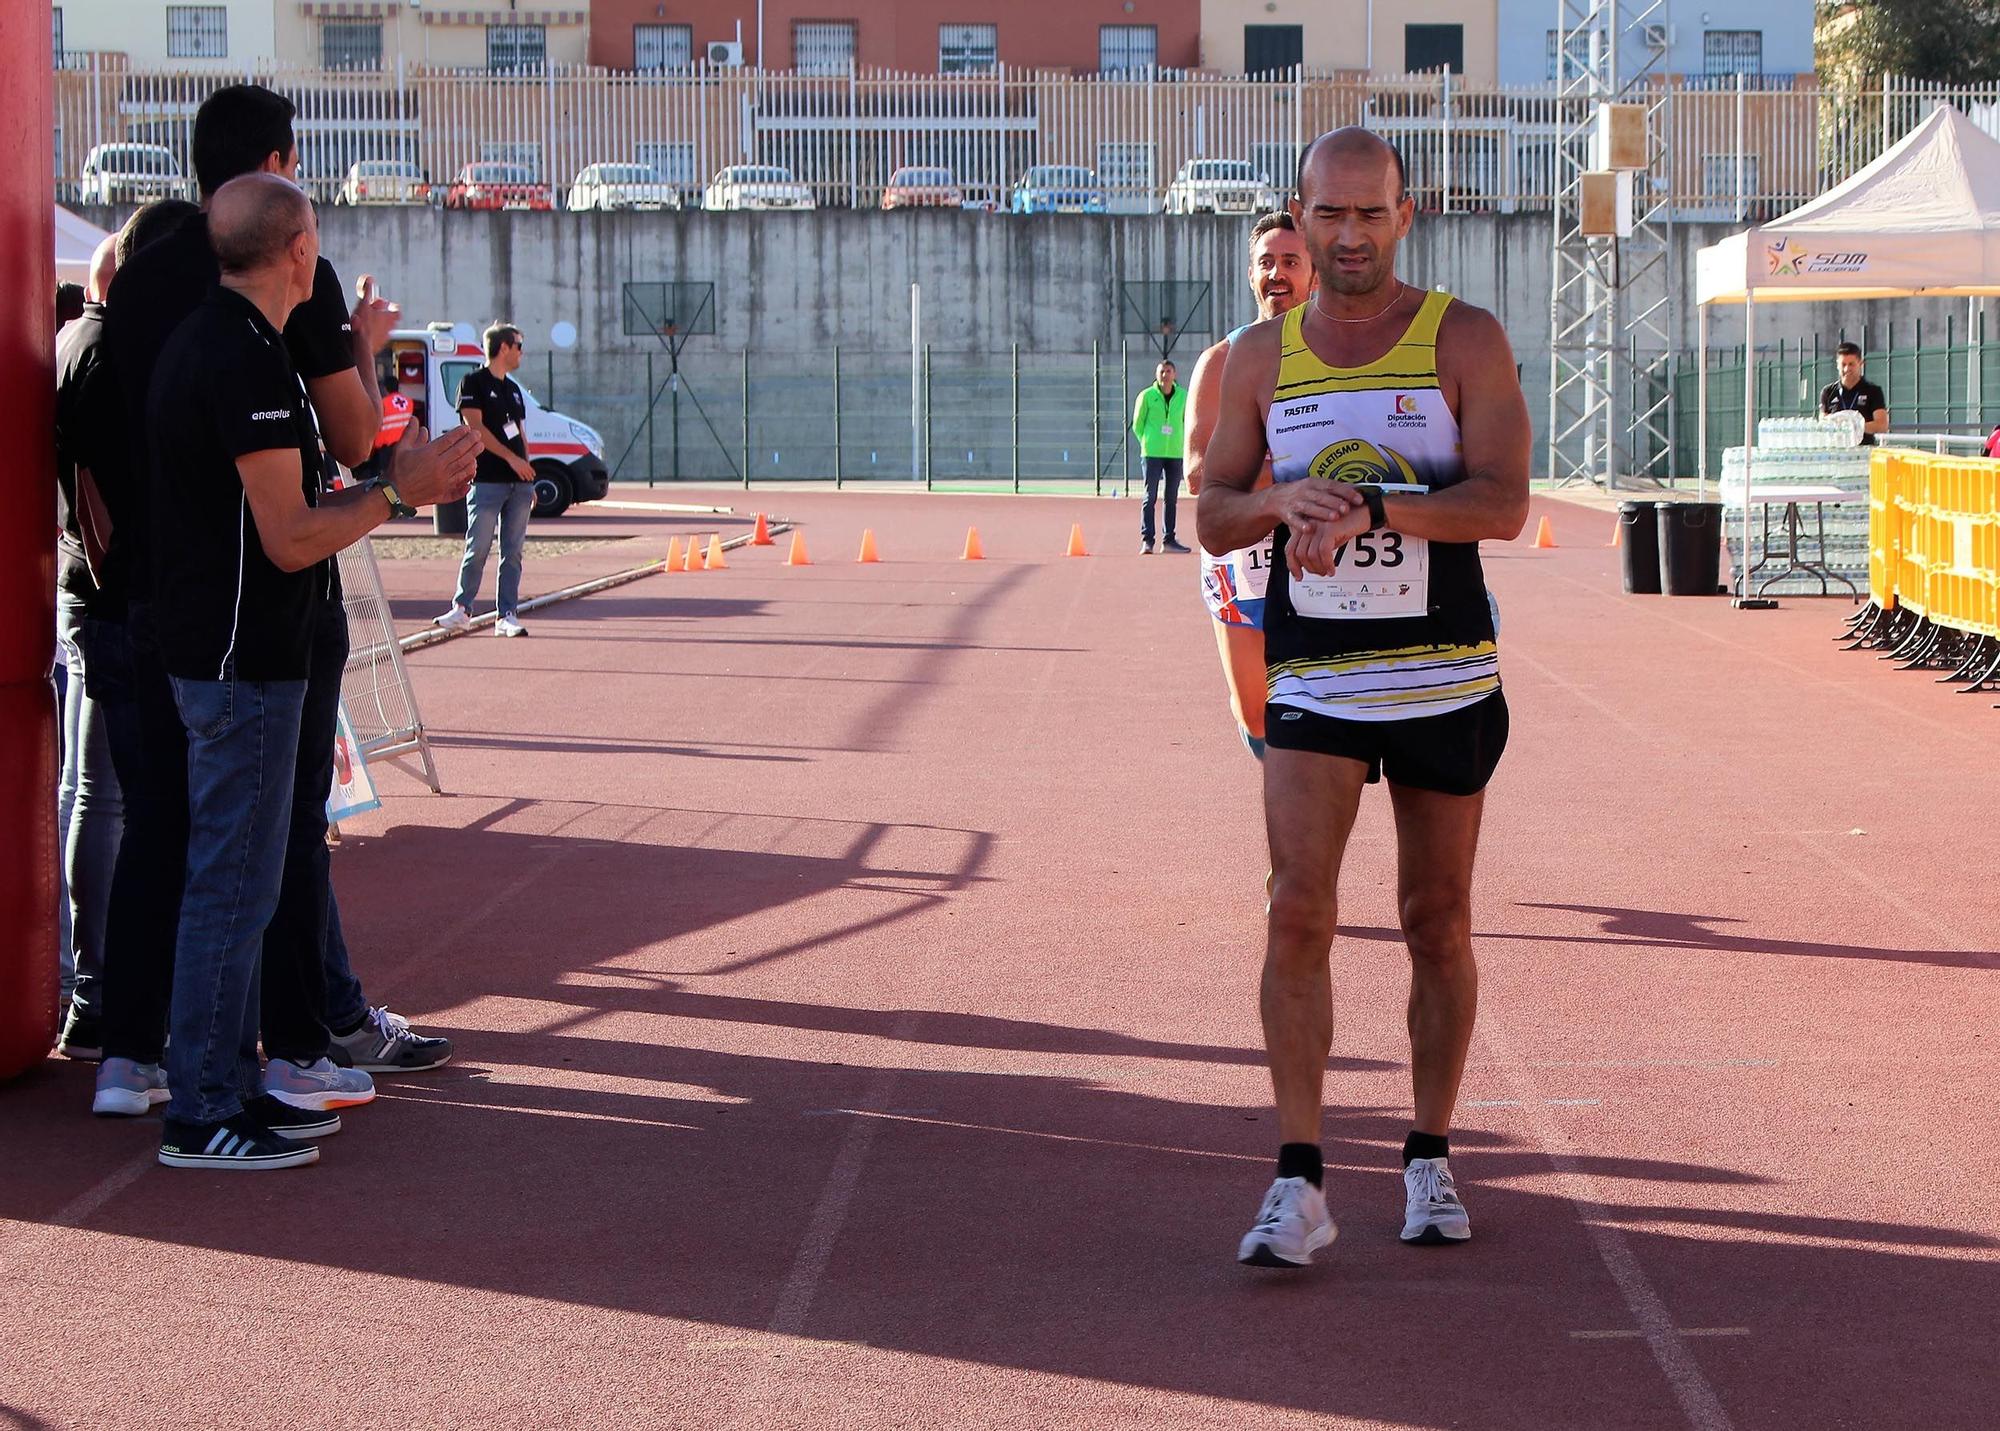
[
  {"x": 1301, "y": 1160},
  {"x": 1426, "y": 1145}
]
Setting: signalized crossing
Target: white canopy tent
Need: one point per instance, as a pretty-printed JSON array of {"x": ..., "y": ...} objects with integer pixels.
[
  {"x": 1922, "y": 220},
  {"x": 76, "y": 240}
]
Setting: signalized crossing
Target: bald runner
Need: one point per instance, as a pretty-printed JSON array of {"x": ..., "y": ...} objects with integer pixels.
[{"x": 1398, "y": 441}]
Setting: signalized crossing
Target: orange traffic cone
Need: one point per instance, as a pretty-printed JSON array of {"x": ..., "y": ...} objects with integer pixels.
[
  {"x": 868, "y": 545},
  {"x": 972, "y": 551},
  {"x": 797, "y": 555},
  {"x": 1076, "y": 548},
  {"x": 694, "y": 561},
  {"x": 1618, "y": 533},
  {"x": 716, "y": 561},
  {"x": 1545, "y": 535},
  {"x": 762, "y": 536},
  {"x": 676, "y": 558}
]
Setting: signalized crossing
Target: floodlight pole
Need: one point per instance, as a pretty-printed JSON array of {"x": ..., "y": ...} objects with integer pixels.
[{"x": 916, "y": 381}]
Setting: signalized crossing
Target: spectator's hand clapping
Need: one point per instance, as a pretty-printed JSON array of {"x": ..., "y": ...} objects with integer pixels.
[
  {"x": 427, "y": 472},
  {"x": 374, "y": 316}
]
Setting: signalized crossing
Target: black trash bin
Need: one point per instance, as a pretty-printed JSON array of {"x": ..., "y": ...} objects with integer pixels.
[
  {"x": 448, "y": 519},
  {"x": 1690, "y": 548},
  {"x": 1639, "y": 547}
]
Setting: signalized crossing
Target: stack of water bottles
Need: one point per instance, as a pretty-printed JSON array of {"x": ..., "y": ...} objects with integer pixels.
[{"x": 1804, "y": 452}]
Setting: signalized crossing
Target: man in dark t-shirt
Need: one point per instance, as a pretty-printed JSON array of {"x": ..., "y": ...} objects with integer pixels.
[
  {"x": 245, "y": 531},
  {"x": 1853, "y": 393},
  {"x": 493, "y": 405},
  {"x": 315, "y": 1012}
]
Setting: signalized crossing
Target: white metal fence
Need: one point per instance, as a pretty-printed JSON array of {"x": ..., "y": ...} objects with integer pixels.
[{"x": 1749, "y": 148}]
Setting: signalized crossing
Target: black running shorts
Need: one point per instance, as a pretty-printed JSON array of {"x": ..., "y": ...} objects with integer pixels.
[{"x": 1453, "y": 754}]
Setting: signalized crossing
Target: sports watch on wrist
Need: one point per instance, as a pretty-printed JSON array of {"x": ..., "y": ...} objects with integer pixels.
[
  {"x": 397, "y": 506},
  {"x": 1372, "y": 495}
]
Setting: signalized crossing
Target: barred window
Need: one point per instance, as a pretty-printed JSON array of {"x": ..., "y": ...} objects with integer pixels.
[
  {"x": 58, "y": 35},
  {"x": 1732, "y": 52},
  {"x": 1718, "y": 176},
  {"x": 662, "y": 47},
  {"x": 350, "y": 44},
  {"x": 1128, "y": 47},
  {"x": 1579, "y": 58},
  {"x": 967, "y": 49},
  {"x": 516, "y": 47},
  {"x": 198, "y": 32},
  {"x": 822, "y": 47}
]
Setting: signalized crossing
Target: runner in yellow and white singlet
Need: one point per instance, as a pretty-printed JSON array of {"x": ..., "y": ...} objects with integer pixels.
[
  {"x": 1233, "y": 584},
  {"x": 1398, "y": 440}
]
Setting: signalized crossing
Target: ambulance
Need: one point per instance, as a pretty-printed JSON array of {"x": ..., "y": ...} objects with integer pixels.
[{"x": 426, "y": 365}]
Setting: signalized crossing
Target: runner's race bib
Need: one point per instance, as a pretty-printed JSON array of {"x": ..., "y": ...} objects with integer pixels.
[
  {"x": 1251, "y": 570},
  {"x": 1376, "y": 576}
]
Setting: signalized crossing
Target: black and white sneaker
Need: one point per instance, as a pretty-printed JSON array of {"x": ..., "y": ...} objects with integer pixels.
[
  {"x": 82, "y": 1037},
  {"x": 297, "y": 1124},
  {"x": 238, "y": 1144}
]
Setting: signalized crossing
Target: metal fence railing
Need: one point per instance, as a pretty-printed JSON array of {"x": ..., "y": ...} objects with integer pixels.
[
  {"x": 1744, "y": 148},
  {"x": 1935, "y": 377}
]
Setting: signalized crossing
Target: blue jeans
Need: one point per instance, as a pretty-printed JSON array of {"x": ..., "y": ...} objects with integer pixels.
[
  {"x": 507, "y": 504},
  {"x": 243, "y": 742},
  {"x": 308, "y": 987},
  {"x": 90, "y": 812},
  {"x": 1160, "y": 472}
]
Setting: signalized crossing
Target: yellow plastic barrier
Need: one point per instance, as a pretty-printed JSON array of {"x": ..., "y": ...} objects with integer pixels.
[{"x": 1934, "y": 538}]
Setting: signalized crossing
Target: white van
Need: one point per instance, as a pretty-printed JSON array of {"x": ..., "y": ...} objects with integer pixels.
[
  {"x": 130, "y": 173},
  {"x": 426, "y": 365}
]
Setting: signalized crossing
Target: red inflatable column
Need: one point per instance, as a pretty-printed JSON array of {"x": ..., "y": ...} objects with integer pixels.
[{"x": 27, "y": 545}]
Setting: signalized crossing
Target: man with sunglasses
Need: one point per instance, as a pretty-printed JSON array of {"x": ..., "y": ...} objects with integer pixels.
[{"x": 503, "y": 493}]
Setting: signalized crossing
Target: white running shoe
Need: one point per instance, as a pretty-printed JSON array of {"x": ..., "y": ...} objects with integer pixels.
[
  {"x": 1432, "y": 1212},
  {"x": 317, "y": 1086},
  {"x": 508, "y": 626},
  {"x": 456, "y": 619},
  {"x": 127, "y": 1088},
  {"x": 1292, "y": 1225}
]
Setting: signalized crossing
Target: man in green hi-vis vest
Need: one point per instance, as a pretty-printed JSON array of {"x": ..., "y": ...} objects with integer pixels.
[{"x": 1157, "y": 424}]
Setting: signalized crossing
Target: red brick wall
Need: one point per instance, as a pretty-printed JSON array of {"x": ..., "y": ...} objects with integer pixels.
[{"x": 903, "y": 34}]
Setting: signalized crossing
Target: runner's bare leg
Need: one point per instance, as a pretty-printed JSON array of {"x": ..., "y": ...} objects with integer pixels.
[
  {"x": 1309, "y": 807},
  {"x": 1436, "y": 839},
  {"x": 1243, "y": 667}
]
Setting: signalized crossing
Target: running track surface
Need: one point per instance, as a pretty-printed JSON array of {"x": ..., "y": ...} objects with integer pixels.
[{"x": 853, "y": 973}]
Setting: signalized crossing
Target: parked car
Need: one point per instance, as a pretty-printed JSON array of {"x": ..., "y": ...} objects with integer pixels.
[
  {"x": 1220, "y": 186},
  {"x": 922, "y": 188},
  {"x": 120, "y": 173},
  {"x": 1058, "y": 189},
  {"x": 621, "y": 186},
  {"x": 384, "y": 181},
  {"x": 426, "y": 365},
  {"x": 756, "y": 186},
  {"x": 497, "y": 186}
]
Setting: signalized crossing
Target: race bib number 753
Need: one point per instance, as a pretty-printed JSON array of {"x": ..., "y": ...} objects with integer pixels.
[{"x": 1376, "y": 575}]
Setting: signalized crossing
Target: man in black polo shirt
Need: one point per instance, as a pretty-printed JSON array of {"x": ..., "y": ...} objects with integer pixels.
[
  {"x": 309, "y": 991},
  {"x": 493, "y": 406},
  {"x": 1854, "y": 393},
  {"x": 244, "y": 537}
]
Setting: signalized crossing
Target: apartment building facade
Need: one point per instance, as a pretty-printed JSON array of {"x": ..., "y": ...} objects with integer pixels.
[
  {"x": 325, "y": 34},
  {"x": 920, "y": 36}
]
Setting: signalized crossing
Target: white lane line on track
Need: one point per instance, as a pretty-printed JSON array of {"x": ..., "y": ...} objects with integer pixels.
[
  {"x": 79, "y": 1209},
  {"x": 1667, "y": 1343},
  {"x": 830, "y": 1213}
]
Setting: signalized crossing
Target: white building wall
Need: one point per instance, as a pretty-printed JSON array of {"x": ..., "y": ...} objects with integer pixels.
[{"x": 138, "y": 29}]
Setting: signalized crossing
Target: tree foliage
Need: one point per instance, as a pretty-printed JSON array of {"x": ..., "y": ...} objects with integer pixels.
[{"x": 1949, "y": 41}]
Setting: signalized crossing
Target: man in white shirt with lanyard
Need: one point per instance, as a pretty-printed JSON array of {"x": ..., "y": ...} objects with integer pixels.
[{"x": 1399, "y": 440}]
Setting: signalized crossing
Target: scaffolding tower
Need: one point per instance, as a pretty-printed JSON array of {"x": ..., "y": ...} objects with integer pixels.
[{"x": 1612, "y": 300}]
